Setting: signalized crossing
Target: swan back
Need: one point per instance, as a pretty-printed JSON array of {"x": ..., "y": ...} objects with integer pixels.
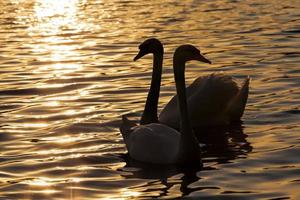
[
  {"x": 208, "y": 98},
  {"x": 154, "y": 143},
  {"x": 213, "y": 100}
]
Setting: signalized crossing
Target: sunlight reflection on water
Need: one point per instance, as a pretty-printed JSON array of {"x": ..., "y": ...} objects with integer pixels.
[{"x": 67, "y": 76}]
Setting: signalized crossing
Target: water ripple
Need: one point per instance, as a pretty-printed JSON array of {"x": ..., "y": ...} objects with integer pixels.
[{"x": 67, "y": 76}]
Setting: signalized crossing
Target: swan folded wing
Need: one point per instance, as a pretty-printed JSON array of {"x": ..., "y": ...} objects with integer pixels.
[
  {"x": 212, "y": 95},
  {"x": 237, "y": 105},
  {"x": 219, "y": 87},
  {"x": 170, "y": 115},
  {"x": 208, "y": 98},
  {"x": 154, "y": 143}
]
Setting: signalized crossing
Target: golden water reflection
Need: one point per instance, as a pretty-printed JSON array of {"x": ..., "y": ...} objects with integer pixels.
[
  {"x": 66, "y": 67},
  {"x": 123, "y": 194},
  {"x": 54, "y": 30},
  {"x": 54, "y": 22}
]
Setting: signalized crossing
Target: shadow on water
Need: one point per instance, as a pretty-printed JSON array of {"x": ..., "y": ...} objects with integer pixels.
[
  {"x": 165, "y": 175},
  {"x": 222, "y": 145}
]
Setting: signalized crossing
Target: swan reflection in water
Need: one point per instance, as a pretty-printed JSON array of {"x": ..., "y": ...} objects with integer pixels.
[{"x": 222, "y": 145}]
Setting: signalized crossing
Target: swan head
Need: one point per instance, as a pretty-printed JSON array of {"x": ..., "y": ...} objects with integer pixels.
[
  {"x": 152, "y": 45},
  {"x": 188, "y": 52}
]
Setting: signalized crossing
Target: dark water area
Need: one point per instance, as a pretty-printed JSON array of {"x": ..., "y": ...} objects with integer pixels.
[{"x": 67, "y": 76}]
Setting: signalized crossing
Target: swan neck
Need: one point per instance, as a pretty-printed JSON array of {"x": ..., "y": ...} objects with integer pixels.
[
  {"x": 190, "y": 150},
  {"x": 150, "y": 110},
  {"x": 179, "y": 68}
]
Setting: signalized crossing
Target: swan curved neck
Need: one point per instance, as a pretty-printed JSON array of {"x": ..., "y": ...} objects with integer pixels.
[
  {"x": 190, "y": 150},
  {"x": 150, "y": 110},
  {"x": 179, "y": 69}
]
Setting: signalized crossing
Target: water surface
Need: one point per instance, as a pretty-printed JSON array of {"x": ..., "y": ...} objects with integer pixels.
[{"x": 67, "y": 76}]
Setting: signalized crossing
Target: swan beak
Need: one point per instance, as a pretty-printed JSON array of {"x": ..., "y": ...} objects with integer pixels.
[
  {"x": 139, "y": 55},
  {"x": 203, "y": 59}
]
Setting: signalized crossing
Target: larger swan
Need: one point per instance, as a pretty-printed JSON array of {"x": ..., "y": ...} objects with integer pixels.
[
  {"x": 212, "y": 100},
  {"x": 158, "y": 143}
]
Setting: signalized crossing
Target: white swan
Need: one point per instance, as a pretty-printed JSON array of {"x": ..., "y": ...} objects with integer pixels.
[
  {"x": 158, "y": 143},
  {"x": 212, "y": 100}
]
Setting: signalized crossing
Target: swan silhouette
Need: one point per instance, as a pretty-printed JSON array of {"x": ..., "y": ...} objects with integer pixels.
[
  {"x": 212, "y": 100},
  {"x": 155, "y": 47},
  {"x": 158, "y": 143}
]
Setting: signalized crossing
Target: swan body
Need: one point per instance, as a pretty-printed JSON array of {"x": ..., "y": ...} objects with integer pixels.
[
  {"x": 158, "y": 143},
  {"x": 212, "y": 100},
  {"x": 152, "y": 143}
]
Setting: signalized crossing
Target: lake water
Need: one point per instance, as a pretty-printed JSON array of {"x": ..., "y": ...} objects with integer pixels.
[{"x": 67, "y": 75}]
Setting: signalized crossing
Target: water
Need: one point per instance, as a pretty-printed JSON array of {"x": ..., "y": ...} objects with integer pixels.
[{"x": 67, "y": 76}]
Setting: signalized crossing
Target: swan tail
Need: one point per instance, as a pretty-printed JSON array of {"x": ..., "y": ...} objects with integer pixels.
[
  {"x": 126, "y": 127},
  {"x": 238, "y": 104}
]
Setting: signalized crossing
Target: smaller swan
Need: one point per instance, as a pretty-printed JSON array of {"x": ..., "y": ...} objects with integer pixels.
[{"x": 158, "y": 143}]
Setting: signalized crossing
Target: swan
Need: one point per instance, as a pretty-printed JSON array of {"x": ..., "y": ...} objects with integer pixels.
[
  {"x": 158, "y": 143},
  {"x": 213, "y": 100}
]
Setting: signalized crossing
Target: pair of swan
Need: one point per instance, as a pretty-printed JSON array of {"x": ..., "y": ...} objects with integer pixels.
[
  {"x": 209, "y": 100},
  {"x": 212, "y": 100}
]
